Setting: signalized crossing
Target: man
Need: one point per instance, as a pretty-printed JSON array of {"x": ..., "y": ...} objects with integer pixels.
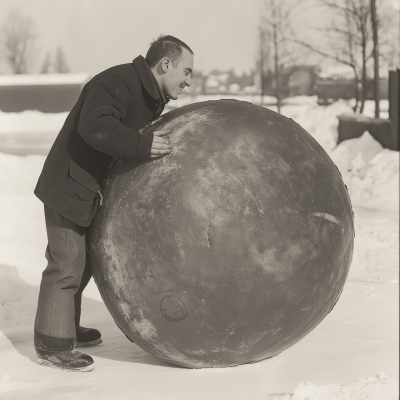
[{"x": 103, "y": 125}]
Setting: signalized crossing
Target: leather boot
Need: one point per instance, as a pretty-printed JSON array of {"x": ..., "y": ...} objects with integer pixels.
[
  {"x": 70, "y": 360},
  {"x": 86, "y": 337}
]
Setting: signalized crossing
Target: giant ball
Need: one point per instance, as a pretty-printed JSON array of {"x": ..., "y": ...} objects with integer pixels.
[{"x": 231, "y": 248}]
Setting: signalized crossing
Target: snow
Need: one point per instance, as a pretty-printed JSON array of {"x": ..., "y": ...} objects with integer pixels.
[
  {"x": 378, "y": 386},
  {"x": 29, "y": 132},
  {"x": 31, "y": 121},
  {"x": 352, "y": 354},
  {"x": 17, "y": 299},
  {"x": 44, "y": 79},
  {"x": 370, "y": 172}
]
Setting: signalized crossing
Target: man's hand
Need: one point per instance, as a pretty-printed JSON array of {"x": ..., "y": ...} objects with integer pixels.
[{"x": 160, "y": 146}]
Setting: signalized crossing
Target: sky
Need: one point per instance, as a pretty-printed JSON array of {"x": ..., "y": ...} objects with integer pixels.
[{"x": 97, "y": 34}]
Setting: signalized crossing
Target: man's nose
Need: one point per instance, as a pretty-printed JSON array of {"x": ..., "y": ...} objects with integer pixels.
[{"x": 188, "y": 80}]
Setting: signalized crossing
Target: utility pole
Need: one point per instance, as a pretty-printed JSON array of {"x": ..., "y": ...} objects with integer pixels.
[
  {"x": 376, "y": 57},
  {"x": 262, "y": 61}
]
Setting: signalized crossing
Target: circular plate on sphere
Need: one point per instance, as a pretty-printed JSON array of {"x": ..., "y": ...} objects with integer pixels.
[{"x": 231, "y": 248}]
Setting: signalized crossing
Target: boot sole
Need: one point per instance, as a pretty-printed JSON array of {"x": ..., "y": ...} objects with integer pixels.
[
  {"x": 62, "y": 367},
  {"x": 88, "y": 344}
]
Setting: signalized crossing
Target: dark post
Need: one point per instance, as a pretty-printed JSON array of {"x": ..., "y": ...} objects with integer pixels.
[
  {"x": 376, "y": 57},
  {"x": 394, "y": 105}
]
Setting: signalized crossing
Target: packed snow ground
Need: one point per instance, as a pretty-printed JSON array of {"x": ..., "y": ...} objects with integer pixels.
[{"x": 352, "y": 354}]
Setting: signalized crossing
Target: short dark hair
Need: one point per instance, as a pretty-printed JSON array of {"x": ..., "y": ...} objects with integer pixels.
[{"x": 165, "y": 46}]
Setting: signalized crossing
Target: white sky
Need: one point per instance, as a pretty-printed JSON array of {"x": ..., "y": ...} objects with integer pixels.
[{"x": 97, "y": 34}]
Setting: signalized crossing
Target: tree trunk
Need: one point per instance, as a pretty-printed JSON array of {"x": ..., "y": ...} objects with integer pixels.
[
  {"x": 376, "y": 57},
  {"x": 356, "y": 91},
  {"x": 277, "y": 72},
  {"x": 262, "y": 63},
  {"x": 363, "y": 76},
  {"x": 262, "y": 78}
]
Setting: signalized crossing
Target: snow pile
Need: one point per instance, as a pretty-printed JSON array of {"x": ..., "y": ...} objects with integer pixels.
[
  {"x": 32, "y": 121},
  {"x": 19, "y": 175},
  {"x": 44, "y": 79},
  {"x": 378, "y": 387},
  {"x": 22, "y": 230},
  {"x": 18, "y": 300},
  {"x": 370, "y": 172},
  {"x": 320, "y": 122},
  {"x": 29, "y": 132},
  {"x": 301, "y": 100}
]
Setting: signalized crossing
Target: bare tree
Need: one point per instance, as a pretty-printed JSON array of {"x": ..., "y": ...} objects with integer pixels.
[
  {"x": 389, "y": 37},
  {"x": 350, "y": 39},
  {"x": 60, "y": 62},
  {"x": 17, "y": 40},
  {"x": 374, "y": 22},
  {"x": 46, "y": 66},
  {"x": 263, "y": 55},
  {"x": 275, "y": 32}
]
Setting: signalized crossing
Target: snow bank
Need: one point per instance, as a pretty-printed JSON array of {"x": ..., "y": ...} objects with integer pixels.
[
  {"x": 22, "y": 231},
  {"x": 370, "y": 172},
  {"x": 30, "y": 121},
  {"x": 378, "y": 387},
  {"x": 18, "y": 299},
  {"x": 44, "y": 79},
  {"x": 320, "y": 122},
  {"x": 29, "y": 132}
]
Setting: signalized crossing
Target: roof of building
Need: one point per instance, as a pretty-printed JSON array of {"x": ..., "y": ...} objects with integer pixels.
[{"x": 44, "y": 79}]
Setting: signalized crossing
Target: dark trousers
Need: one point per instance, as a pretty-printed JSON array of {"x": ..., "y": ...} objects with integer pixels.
[{"x": 67, "y": 274}]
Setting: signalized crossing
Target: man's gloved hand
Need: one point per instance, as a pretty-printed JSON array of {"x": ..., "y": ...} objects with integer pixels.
[{"x": 160, "y": 146}]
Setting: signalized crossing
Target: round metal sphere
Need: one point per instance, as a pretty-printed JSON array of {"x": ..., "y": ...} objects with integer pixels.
[{"x": 230, "y": 249}]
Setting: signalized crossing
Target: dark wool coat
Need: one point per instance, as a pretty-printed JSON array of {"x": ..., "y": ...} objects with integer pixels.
[{"x": 103, "y": 125}]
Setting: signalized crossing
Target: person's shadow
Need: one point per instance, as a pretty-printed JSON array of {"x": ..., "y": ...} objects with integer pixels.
[{"x": 116, "y": 346}]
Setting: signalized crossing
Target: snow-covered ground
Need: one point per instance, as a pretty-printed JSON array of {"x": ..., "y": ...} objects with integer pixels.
[{"x": 352, "y": 354}]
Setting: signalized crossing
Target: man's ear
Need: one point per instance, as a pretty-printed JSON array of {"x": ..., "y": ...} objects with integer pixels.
[{"x": 165, "y": 64}]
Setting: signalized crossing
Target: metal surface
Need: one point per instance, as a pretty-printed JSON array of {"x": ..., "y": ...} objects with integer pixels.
[{"x": 230, "y": 249}]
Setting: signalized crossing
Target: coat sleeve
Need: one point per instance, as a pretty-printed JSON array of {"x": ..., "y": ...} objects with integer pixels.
[{"x": 104, "y": 107}]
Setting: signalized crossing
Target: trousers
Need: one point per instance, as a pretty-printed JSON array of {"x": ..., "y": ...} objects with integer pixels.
[{"x": 67, "y": 274}]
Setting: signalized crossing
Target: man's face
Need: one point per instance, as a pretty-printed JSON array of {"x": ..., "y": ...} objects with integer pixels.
[{"x": 178, "y": 76}]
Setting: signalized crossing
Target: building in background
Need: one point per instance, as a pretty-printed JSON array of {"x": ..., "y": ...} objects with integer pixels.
[
  {"x": 337, "y": 82},
  {"x": 301, "y": 80},
  {"x": 49, "y": 93}
]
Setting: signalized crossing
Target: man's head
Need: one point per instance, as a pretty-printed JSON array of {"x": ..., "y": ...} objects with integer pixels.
[{"x": 171, "y": 62}]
